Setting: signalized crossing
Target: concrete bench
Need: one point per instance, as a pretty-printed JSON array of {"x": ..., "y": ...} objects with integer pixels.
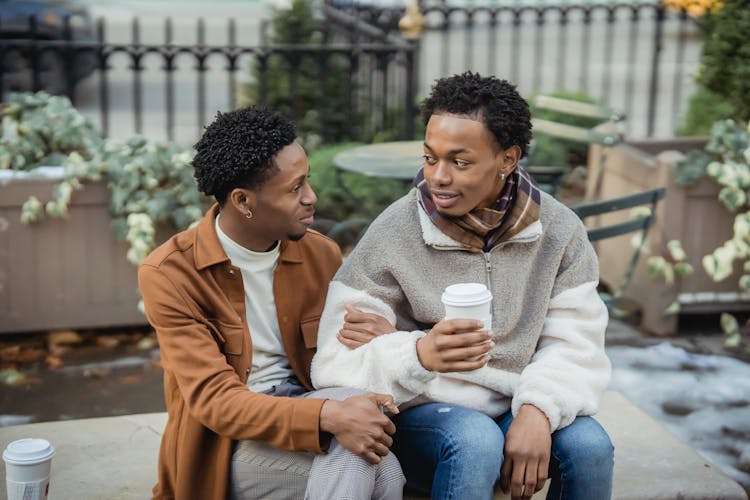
[{"x": 115, "y": 457}]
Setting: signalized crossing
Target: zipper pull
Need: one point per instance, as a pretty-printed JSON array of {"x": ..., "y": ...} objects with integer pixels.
[{"x": 488, "y": 268}]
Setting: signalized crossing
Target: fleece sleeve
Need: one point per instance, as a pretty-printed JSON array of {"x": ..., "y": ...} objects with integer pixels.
[
  {"x": 387, "y": 364},
  {"x": 570, "y": 369}
]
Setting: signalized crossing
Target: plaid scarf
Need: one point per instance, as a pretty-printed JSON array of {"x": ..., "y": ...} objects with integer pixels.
[{"x": 480, "y": 230}]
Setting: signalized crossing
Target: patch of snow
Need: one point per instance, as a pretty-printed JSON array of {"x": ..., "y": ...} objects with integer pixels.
[
  {"x": 6, "y": 420},
  {"x": 703, "y": 399},
  {"x": 54, "y": 173}
]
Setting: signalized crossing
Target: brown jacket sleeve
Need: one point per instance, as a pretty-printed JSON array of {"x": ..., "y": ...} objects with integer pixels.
[{"x": 211, "y": 389}]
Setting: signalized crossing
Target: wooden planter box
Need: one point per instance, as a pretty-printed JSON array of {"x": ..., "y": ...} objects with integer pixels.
[
  {"x": 62, "y": 273},
  {"x": 692, "y": 215}
]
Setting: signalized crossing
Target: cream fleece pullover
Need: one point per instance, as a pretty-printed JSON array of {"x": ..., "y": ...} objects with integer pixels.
[{"x": 548, "y": 321}]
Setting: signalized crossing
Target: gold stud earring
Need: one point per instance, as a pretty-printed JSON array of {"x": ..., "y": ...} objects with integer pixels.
[{"x": 249, "y": 214}]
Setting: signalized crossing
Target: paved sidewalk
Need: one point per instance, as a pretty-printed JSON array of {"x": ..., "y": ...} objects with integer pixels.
[{"x": 115, "y": 457}]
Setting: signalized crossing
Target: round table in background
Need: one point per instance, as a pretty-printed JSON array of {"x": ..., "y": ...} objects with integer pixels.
[{"x": 393, "y": 160}]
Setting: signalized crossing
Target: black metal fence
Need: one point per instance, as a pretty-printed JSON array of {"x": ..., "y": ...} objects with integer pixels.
[
  {"x": 637, "y": 57},
  {"x": 345, "y": 88}
]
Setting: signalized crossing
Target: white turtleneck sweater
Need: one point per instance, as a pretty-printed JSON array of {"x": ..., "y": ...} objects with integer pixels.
[{"x": 270, "y": 362}]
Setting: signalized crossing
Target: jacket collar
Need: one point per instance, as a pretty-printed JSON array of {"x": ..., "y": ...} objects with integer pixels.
[
  {"x": 208, "y": 249},
  {"x": 290, "y": 252},
  {"x": 434, "y": 237}
]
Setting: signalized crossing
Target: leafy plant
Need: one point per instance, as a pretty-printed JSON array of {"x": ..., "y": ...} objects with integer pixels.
[
  {"x": 727, "y": 139},
  {"x": 673, "y": 265},
  {"x": 725, "y": 62},
  {"x": 39, "y": 129},
  {"x": 736, "y": 336},
  {"x": 152, "y": 186},
  {"x": 319, "y": 101},
  {"x": 726, "y": 160},
  {"x": 151, "y": 183},
  {"x": 346, "y": 195},
  {"x": 724, "y": 87},
  {"x": 704, "y": 109},
  {"x": 731, "y": 170}
]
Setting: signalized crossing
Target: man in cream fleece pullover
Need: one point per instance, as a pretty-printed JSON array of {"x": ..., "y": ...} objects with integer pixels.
[{"x": 513, "y": 403}]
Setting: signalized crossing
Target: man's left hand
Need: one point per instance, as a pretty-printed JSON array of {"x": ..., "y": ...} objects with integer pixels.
[
  {"x": 361, "y": 327},
  {"x": 528, "y": 444}
]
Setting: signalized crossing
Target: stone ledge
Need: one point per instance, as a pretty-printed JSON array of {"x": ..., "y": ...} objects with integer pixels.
[{"x": 115, "y": 457}]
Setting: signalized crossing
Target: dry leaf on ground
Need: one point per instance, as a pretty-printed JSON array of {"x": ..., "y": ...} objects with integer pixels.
[
  {"x": 53, "y": 362},
  {"x": 107, "y": 341},
  {"x": 65, "y": 337}
]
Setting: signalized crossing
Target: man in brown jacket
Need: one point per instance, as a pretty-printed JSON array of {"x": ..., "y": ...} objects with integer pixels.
[{"x": 235, "y": 302}]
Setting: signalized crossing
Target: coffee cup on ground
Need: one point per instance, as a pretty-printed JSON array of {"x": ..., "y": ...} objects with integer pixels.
[
  {"x": 468, "y": 301},
  {"x": 28, "y": 463}
]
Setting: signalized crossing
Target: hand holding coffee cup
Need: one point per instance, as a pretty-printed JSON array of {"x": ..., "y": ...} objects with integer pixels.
[{"x": 461, "y": 341}]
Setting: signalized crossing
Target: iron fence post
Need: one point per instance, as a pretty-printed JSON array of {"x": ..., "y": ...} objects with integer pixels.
[
  {"x": 137, "y": 68},
  {"x": 3, "y": 71},
  {"x": 412, "y": 80},
  {"x": 169, "y": 68},
  {"x": 103, "y": 84},
  {"x": 34, "y": 54},
  {"x": 69, "y": 57},
  {"x": 654, "y": 85}
]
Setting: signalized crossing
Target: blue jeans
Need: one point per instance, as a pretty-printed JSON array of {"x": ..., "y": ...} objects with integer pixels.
[{"x": 453, "y": 452}]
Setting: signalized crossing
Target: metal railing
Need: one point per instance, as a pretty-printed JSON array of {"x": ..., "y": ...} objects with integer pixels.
[
  {"x": 637, "y": 57},
  {"x": 169, "y": 90}
]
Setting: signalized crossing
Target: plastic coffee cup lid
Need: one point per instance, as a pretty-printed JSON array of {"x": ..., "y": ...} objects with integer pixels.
[
  {"x": 466, "y": 294},
  {"x": 28, "y": 451}
]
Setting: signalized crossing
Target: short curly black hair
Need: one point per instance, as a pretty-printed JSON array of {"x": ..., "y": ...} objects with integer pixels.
[
  {"x": 495, "y": 102},
  {"x": 237, "y": 150}
]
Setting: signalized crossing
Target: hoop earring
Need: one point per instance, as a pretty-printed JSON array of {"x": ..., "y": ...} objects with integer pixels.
[{"x": 249, "y": 214}]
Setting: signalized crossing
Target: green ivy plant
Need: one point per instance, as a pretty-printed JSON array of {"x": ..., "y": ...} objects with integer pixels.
[
  {"x": 725, "y": 61},
  {"x": 39, "y": 129},
  {"x": 151, "y": 183},
  {"x": 721, "y": 98},
  {"x": 670, "y": 267},
  {"x": 726, "y": 160},
  {"x": 731, "y": 170},
  {"x": 347, "y": 195}
]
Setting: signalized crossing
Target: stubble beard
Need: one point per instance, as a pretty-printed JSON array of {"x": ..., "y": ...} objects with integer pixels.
[{"x": 296, "y": 237}]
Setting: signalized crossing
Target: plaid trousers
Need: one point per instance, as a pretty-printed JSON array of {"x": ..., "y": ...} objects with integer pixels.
[{"x": 260, "y": 471}]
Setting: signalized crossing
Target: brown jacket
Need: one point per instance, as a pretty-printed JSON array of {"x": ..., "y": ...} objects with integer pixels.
[{"x": 195, "y": 300}]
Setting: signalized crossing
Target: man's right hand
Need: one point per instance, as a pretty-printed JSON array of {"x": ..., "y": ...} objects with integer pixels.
[
  {"x": 361, "y": 327},
  {"x": 455, "y": 345},
  {"x": 359, "y": 425}
]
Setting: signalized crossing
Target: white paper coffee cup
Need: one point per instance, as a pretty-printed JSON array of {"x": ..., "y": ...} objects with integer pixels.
[
  {"x": 28, "y": 463},
  {"x": 468, "y": 301}
]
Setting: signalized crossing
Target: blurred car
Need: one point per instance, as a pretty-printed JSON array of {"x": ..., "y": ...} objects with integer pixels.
[{"x": 16, "y": 26}]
